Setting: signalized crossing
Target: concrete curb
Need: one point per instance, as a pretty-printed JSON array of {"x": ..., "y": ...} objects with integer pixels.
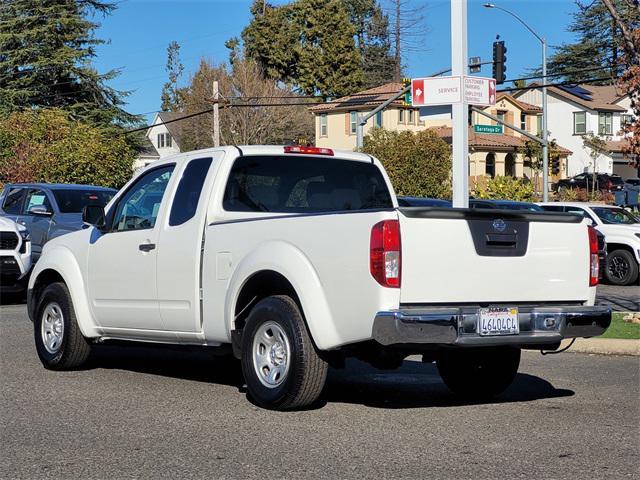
[{"x": 604, "y": 346}]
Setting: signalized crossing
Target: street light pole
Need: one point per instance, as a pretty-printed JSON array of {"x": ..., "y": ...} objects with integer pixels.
[{"x": 545, "y": 133}]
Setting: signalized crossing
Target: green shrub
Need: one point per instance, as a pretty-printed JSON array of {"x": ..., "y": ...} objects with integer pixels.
[
  {"x": 48, "y": 146},
  {"x": 418, "y": 164},
  {"x": 504, "y": 188}
]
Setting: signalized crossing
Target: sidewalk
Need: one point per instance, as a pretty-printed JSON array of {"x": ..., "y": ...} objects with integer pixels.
[{"x": 604, "y": 346}]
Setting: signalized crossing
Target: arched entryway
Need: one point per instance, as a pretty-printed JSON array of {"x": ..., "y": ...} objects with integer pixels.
[
  {"x": 509, "y": 165},
  {"x": 490, "y": 165}
]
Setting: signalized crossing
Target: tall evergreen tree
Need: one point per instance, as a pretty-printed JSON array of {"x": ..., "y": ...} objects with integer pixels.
[
  {"x": 170, "y": 92},
  {"x": 598, "y": 42},
  {"x": 308, "y": 44},
  {"x": 46, "y": 48}
]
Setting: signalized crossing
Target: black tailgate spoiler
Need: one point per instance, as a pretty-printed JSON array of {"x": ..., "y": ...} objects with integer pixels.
[{"x": 489, "y": 214}]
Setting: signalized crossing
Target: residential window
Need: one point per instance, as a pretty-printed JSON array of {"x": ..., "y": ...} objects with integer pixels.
[
  {"x": 401, "y": 117},
  {"x": 523, "y": 121},
  {"x": 164, "y": 140},
  {"x": 605, "y": 123},
  {"x": 412, "y": 117},
  {"x": 353, "y": 122},
  {"x": 539, "y": 124},
  {"x": 377, "y": 120},
  {"x": 323, "y": 125},
  {"x": 626, "y": 119},
  {"x": 501, "y": 114},
  {"x": 579, "y": 123}
]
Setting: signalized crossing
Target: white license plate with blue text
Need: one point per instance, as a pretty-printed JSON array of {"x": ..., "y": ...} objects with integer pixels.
[{"x": 498, "y": 321}]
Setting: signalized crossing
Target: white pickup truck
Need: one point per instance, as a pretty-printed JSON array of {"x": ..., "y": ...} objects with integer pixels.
[{"x": 295, "y": 258}]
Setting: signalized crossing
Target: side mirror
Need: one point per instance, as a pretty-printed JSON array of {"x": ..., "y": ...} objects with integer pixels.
[
  {"x": 40, "y": 210},
  {"x": 94, "y": 215}
]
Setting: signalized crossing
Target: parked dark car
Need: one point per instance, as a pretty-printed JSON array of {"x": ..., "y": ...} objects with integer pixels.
[
  {"x": 504, "y": 204},
  {"x": 422, "y": 202},
  {"x": 604, "y": 181},
  {"x": 634, "y": 182},
  {"x": 49, "y": 210}
]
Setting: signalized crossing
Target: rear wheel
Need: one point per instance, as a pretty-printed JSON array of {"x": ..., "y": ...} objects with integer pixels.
[
  {"x": 59, "y": 342},
  {"x": 479, "y": 372},
  {"x": 279, "y": 361},
  {"x": 622, "y": 268}
]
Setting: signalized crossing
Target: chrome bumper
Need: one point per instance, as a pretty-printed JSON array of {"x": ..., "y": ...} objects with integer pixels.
[{"x": 456, "y": 326}]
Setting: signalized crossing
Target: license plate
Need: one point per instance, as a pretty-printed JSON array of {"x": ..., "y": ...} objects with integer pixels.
[{"x": 498, "y": 321}]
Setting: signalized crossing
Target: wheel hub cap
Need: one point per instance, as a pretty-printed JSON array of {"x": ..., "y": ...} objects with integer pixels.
[
  {"x": 52, "y": 328},
  {"x": 271, "y": 354}
]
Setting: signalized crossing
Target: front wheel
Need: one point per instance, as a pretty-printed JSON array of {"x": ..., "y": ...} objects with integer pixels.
[
  {"x": 479, "y": 372},
  {"x": 280, "y": 364},
  {"x": 59, "y": 342},
  {"x": 622, "y": 268}
]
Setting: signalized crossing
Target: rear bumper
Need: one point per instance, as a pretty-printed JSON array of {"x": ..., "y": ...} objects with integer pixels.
[{"x": 456, "y": 326}]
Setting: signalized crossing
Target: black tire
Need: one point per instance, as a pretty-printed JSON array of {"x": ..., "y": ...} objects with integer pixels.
[
  {"x": 621, "y": 268},
  {"x": 479, "y": 372},
  {"x": 304, "y": 381},
  {"x": 73, "y": 349}
]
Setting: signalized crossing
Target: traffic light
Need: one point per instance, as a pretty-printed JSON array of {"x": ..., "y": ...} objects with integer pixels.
[
  {"x": 406, "y": 100},
  {"x": 499, "y": 61},
  {"x": 555, "y": 166}
]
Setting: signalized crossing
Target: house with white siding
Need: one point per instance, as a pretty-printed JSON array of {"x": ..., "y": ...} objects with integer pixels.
[
  {"x": 162, "y": 139},
  {"x": 574, "y": 111}
]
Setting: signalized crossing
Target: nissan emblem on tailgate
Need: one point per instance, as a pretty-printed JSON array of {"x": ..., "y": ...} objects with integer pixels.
[{"x": 499, "y": 225}]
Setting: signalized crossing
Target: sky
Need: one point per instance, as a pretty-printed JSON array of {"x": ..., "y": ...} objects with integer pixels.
[{"x": 138, "y": 33}]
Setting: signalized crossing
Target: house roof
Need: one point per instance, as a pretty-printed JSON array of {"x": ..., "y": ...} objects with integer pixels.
[
  {"x": 361, "y": 100},
  {"x": 592, "y": 97},
  {"x": 617, "y": 146},
  {"x": 174, "y": 128},
  {"x": 147, "y": 149},
  {"x": 524, "y": 106},
  {"x": 483, "y": 141}
]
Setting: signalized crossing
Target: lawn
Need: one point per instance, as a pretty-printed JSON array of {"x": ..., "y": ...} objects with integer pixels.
[{"x": 621, "y": 329}]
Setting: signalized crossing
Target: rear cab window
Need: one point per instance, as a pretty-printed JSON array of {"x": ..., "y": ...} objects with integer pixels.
[{"x": 299, "y": 184}]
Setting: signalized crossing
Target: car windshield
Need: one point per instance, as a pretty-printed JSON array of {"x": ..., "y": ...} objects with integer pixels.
[
  {"x": 73, "y": 201},
  {"x": 614, "y": 216}
]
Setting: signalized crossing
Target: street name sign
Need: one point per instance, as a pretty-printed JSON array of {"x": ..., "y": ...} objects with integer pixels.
[
  {"x": 450, "y": 90},
  {"x": 495, "y": 129}
]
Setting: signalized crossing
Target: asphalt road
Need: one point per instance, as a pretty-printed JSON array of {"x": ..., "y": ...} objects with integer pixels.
[
  {"x": 150, "y": 412},
  {"x": 621, "y": 299}
]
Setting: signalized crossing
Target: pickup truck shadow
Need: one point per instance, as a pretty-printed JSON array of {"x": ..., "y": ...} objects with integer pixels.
[
  {"x": 418, "y": 385},
  {"x": 414, "y": 385}
]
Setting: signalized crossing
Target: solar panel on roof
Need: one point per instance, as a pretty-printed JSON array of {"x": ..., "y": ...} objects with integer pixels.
[{"x": 577, "y": 91}]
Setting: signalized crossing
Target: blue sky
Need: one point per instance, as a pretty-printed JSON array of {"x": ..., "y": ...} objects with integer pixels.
[{"x": 139, "y": 31}]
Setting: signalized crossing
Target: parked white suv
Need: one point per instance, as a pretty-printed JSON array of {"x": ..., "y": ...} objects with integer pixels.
[
  {"x": 622, "y": 234},
  {"x": 15, "y": 255},
  {"x": 298, "y": 257}
]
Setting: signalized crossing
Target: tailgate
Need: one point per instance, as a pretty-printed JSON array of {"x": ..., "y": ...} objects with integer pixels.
[{"x": 492, "y": 256}]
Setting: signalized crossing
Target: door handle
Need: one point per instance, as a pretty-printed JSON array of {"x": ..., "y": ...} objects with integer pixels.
[{"x": 146, "y": 247}]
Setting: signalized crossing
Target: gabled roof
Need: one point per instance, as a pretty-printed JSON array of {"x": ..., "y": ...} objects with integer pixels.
[
  {"x": 147, "y": 149},
  {"x": 592, "y": 97},
  {"x": 484, "y": 141},
  {"x": 361, "y": 100},
  {"x": 524, "y": 106},
  {"x": 174, "y": 128}
]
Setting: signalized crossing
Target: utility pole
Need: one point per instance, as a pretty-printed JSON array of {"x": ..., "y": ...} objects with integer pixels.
[
  {"x": 216, "y": 115},
  {"x": 460, "y": 111},
  {"x": 545, "y": 133}
]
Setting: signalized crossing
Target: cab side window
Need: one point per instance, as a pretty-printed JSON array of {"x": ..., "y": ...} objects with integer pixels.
[
  {"x": 36, "y": 198},
  {"x": 138, "y": 208},
  {"x": 13, "y": 201},
  {"x": 188, "y": 193}
]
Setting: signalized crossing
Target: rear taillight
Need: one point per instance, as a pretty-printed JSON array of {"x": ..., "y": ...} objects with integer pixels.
[
  {"x": 594, "y": 262},
  {"x": 385, "y": 253}
]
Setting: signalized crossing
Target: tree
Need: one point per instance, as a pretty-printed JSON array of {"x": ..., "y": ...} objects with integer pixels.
[
  {"x": 48, "y": 146},
  {"x": 308, "y": 44},
  {"x": 372, "y": 41},
  {"x": 407, "y": 32},
  {"x": 170, "y": 92},
  {"x": 631, "y": 78},
  {"x": 532, "y": 150},
  {"x": 597, "y": 147},
  {"x": 46, "y": 47},
  {"x": 597, "y": 42},
  {"x": 418, "y": 164},
  {"x": 242, "y": 125}
]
